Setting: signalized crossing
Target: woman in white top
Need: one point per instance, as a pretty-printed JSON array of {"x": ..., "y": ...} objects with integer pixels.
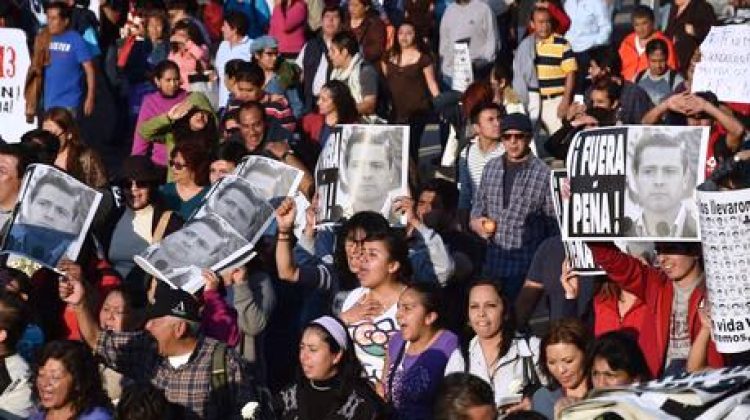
[
  {"x": 508, "y": 363},
  {"x": 370, "y": 310}
]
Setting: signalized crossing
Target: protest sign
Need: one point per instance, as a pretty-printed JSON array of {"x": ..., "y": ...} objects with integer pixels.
[
  {"x": 273, "y": 179},
  {"x": 724, "y": 68},
  {"x": 14, "y": 64},
  {"x": 463, "y": 74},
  {"x": 208, "y": 242},
  {"x": 725, "y": 228},
  {"x": 635, "y": 183},
  {"x": 241, "y": 204},
  {"x": 705, "y": 395},
  {"x": 578, "y": 254},
  {"x": 53, "y": 217},
  {"x": 362, "y": 167}
]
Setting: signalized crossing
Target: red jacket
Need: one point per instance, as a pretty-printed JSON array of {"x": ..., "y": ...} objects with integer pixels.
[
  {"x": 633, "y": 63},
  {"x": 607, "y": 316},
  {"x": 656, "y": 290}
]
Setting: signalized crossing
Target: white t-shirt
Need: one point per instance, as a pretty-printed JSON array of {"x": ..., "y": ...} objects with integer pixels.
[{"x": 371, "y": 337}]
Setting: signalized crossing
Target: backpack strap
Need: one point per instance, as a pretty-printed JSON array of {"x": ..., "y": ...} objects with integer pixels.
[
  {"x": 672, "y": 77},
  {"x": 220, "y": 379},
  {"x": 639, "y": 76}
]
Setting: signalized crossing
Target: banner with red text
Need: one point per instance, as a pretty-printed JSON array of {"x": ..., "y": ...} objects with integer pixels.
[{"x": 14, "y": 64}]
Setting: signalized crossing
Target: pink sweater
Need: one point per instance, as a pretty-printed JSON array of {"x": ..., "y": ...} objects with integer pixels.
[
  {"x": 289, "y": 28},
  {"x": 219, "y": 319},
  {"x": 187, "y": 61},
  {"x": 154, "y": 104}
]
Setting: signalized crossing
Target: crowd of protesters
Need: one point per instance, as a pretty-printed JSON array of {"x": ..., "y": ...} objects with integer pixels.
[{"x": 364, "y": 320}]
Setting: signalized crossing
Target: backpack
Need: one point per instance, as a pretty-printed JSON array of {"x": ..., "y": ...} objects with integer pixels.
[
  {"x": 672, "y": 77},
  {"x": 220, "y": 380}
]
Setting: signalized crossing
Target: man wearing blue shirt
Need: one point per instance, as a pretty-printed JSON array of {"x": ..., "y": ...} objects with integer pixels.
[{"x": 69, "y": 60}]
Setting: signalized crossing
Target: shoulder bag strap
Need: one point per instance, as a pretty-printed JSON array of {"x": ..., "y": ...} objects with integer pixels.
[
  {"x": 392, "y": 371},
  {"x": 161, "y": 227}
]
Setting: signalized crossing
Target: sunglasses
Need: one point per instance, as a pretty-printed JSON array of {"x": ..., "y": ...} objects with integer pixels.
[
  {"x": 177, "y": 165},
  {"x": 515, "y": 136}
]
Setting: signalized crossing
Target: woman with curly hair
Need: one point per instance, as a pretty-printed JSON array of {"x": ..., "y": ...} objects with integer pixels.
[{"x": 68, "y": 384}]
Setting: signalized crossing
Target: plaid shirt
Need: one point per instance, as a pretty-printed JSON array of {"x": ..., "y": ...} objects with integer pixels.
[
  {"x": 528, "y": 219},
  {"x": 135, "y": 355}
]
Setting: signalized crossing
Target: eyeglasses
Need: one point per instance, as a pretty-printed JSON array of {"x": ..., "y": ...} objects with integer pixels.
[
  {"x": 515, "y": 136},
  {"x": 177, "y": 165}
]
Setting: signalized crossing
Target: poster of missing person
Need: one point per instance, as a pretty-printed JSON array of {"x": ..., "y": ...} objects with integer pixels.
[
  {"x": 53, "y": 217},
  {"x": 725, "y": 229},
  {"x": 578, "y": 253},
  {"x": 635, "y": 183},
  {"x": 241, "y": 204},
  {"x": 275, "y": 180},
  {"x": 208, "y": 242},
  {"x": 362, "y": 167}
]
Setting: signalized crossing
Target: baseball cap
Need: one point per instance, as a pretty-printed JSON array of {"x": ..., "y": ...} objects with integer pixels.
[
  {"x": 173, "y": 302},
  {"x": 263, "y": 42},
  {"x": 516, "y": 121}
]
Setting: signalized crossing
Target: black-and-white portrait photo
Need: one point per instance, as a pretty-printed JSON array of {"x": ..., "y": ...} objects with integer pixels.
[
  {"x": 273, "y": 178},
  {"x": 54, "y": 216},
  {"x": 664, "y": 170},
  {"x": 372, "y": 168},
  {"x": 204, "y": 243},
  {"x": 241, "y": 204}
]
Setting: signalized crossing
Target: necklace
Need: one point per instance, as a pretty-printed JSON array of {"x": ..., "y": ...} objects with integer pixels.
[{"x": 319, "y": 388}]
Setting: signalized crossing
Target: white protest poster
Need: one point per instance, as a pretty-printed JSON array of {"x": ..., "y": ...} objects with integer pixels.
[
  {"x": 725, "y": 229},
  {"x": 724, "y": 68},
  {"x": 208, "y": 242},
  {"x": 635, "y": 183},
  {"x": 578, "y": 253},
  {"x": 273, "y": 179},
  {"x": 53, "y": 217},
  {"x": 14, "y": 64},
  {"x": 95, "y": 7},
  {"x": 362, "y": 167},
  {"x": 241, "y": 204},
  {"x": 463, "y": 75}
]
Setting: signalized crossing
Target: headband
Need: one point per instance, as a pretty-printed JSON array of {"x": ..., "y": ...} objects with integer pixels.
[{"x": 333, "y": 328}]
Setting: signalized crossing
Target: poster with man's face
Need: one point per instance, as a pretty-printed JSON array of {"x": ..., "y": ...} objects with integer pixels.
[
  {"x": 203, "y": 243},
  {"x": 275, "y": 180},
  {"x": 241, "y": 204},
  {"x": 635, "y": 183},
  {"x": 362, "y": 168},
  {"x": 54, "y": 214}
]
